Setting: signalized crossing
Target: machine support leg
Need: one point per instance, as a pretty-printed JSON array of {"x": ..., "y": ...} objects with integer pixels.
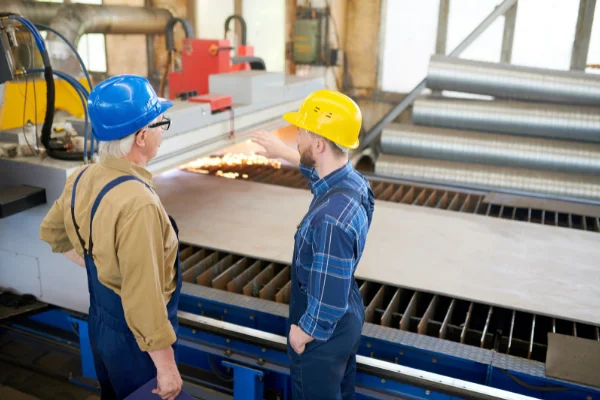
[
  {"x": 88, "y": 370},
  {"x": 247, "y": 382}
]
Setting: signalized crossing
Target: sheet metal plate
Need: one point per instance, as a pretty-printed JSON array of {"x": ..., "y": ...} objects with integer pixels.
[{"x": 526, "y": 267}]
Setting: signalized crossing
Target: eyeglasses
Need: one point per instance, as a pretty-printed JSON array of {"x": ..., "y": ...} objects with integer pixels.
[{"x": 165, "y": 123}]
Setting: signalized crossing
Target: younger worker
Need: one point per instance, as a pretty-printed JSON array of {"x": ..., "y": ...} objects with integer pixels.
[
  {"x": 109, "y": 215},
  {"x": 326, "y": 312}
]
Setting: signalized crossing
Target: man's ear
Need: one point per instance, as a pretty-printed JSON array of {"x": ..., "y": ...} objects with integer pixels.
[{"x": 140, "y": 138}]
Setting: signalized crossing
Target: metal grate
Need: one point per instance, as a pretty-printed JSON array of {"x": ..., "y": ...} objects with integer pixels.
[
  {"x": 440, "y": 198},
  {"x": 506, "y": 331}
]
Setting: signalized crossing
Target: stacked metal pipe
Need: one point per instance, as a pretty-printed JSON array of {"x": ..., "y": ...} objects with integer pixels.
[{"x": 510, "y": 143}]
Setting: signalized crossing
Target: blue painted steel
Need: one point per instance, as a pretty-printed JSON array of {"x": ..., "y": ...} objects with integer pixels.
[
  {"x": 88, "y": 369},
  {"x": 55, "y": 317},
  {"x": 278, "y": 380},
  {"x": 248, "y": 382}
]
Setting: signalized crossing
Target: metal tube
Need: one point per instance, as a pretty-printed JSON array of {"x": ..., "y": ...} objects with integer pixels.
[
  {"x": 74, "y": 20},
  {"x": 36, "y": 12},
  {"x": 493, "y": 149},
  {"x": 513, "y": 82},
  {"x": 491, "y": 178},
  {"x": 375, "y": 131},
  {"x": 519, "y": 118}
]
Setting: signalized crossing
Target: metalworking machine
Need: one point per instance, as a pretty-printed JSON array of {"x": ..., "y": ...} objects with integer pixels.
[{"x": 416, "y": 343}]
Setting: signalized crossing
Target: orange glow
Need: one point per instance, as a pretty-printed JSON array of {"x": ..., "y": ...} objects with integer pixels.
[{"x": 230, "y": 165}]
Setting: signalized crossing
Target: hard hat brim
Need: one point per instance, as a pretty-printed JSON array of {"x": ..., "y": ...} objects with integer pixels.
[
  {"x": 296, "y": 118},
  {"x": 165, "y": 104}
]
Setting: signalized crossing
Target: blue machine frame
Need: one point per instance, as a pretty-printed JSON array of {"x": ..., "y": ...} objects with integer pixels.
[{"x": 258, "y": 368}]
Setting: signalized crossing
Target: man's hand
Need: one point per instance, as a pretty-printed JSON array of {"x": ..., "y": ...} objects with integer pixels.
[
  {"x": 167, "y": 375},
  {"x": 169, "y": 383},
  {"x": 274, "y": 147},
  {"x": 298, "y": 339}
]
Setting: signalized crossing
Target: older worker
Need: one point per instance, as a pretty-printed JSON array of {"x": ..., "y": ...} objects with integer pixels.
[
  {"x": 110, "y": 220},
  {"x": 326, "y": 312}
]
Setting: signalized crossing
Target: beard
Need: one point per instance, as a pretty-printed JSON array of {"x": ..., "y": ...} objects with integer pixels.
[{"x": 306, "y": 158}]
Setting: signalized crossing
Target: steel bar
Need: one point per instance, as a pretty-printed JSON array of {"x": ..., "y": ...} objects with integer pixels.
[
  {"x": 463, "y": 334},
  {"x": 554, "y": 184},
  {"x": 506, "y": 81},
  {"x": 518, "y": 118},
  {"x": 492, "y": 149},
  {"x": 583, "y": 34},
  {"x": 512, "y": 329},
  {"x": 510, "y": 21},
  {"x": 410, "y": 312},
  {"x": 486, "y": 327},
  {"x": 375, "y": 131},
  {"x": 447, "y": 319},
  {"x": 391, "y": 308}
]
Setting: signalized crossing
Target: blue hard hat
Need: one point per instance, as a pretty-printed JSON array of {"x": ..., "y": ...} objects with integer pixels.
[{"x": 122, "y": 105}]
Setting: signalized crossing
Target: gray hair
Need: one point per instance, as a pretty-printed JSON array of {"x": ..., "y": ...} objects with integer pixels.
[{"x": 119, "y": 148}]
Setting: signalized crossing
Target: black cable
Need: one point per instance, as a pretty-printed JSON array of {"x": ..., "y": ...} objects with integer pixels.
[
  {"x": 83, "y": 68},
  {"x": 532, "y": 387},
  {"x": 218, "y": 373},
  {"x": 242, "y": 22},
  {"x": 170, "y": 35}
]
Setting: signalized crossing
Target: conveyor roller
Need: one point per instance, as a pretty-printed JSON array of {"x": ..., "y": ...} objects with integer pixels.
[
  {"x": 519, "y": 118},
  {"x": 513, "y": 82},
  {"x": 493, "y": 149}
]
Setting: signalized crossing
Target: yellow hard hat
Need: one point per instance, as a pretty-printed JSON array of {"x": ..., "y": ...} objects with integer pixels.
[{"x": 329, "y": 114}]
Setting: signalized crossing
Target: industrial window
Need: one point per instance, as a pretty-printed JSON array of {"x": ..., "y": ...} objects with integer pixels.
[
  {"x": 92, "y": 46},
  {"x": 410, "y": 31}
]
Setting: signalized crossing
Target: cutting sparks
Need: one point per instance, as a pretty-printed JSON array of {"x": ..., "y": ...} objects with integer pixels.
[{"x": 230, "y": 165}]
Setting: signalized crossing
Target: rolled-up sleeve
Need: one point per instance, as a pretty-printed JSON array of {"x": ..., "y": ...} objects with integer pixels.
[
  {"x": 53, "y": 230},
  {"x": 140, "y": 252}
]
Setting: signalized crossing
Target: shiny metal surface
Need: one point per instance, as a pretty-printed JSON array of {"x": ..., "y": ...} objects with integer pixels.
[
  {"x": 519, "y": 118},
  {"x": 36, "y": 11},
  {"x": 74, "y": 20},
  {"x": 513, "y": 82},
  {"x": 494, "y": 149},
  {"x": 490, "y": 177}
]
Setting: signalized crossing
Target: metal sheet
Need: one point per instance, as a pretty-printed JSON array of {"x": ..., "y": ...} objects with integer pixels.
[
  {"x": 491, "y": 177},
  {"x": 492, "y": 149},
  {"x": 573, "y": 359},
  {"x": 509, "y": 81},
  {"x": 519, "y": 118},
  {"x": 530, "y": 267}
]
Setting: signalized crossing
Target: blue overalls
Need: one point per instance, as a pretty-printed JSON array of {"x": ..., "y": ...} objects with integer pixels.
[
  {"x": 325, "y": 370},
  {"x": 121, "y": 367}
]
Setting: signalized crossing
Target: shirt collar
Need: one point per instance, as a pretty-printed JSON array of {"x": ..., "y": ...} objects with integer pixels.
[
  {"x": 127, "y": 167},
  {"x": 322, "y": 185}
]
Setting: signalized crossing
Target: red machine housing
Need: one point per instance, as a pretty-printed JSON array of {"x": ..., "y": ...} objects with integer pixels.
[{"x": 201, "y": 58}]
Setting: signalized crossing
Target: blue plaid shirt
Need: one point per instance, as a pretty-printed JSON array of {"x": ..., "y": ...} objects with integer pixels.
[{"x": 329, "y": 247}]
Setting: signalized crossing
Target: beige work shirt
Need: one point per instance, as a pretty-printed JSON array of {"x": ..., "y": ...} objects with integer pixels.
[{"x": 135, "y": 246}]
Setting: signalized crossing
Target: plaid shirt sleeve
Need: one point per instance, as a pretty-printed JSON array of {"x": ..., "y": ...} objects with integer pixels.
[{"x": 329, "y": 281}]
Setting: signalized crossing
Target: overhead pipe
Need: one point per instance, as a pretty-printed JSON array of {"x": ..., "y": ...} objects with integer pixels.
[
  {"x": 75, "y": 20},
  {"x": 376, "y": 130},
  {"x": 519, "y": 118},
  {"x": 514, "y": 180},
  {"x": 36, "y": 12},
  {"x": 493, "y": 149},
  {"x": 513, "y": 82}
]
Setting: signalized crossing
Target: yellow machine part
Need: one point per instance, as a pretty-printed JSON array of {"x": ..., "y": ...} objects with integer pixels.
[{"x": 11, "y": 111}]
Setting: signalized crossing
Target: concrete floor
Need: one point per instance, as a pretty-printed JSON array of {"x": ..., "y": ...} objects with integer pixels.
[{"x": 22, "y": 384}]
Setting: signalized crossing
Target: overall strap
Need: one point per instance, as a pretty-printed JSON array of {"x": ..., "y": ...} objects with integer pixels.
[
  {"x": 73, "y": 194},
  {"x": 109, "y": 186}
]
